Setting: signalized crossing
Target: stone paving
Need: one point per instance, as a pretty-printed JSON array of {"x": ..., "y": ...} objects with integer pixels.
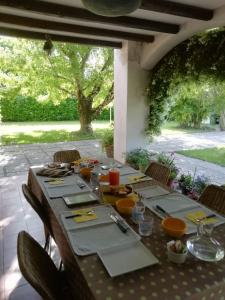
[
  {"x": 16, "y": 160},
  {"x": 175, "y": 142}
]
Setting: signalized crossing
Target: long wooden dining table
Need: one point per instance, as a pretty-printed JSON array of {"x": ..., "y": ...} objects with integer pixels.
[{"x": 88, "y": 278}]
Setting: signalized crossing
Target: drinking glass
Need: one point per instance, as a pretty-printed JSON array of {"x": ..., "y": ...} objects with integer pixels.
[
  {"x": 94, "y": 180},
  {"x": 146, "y": 226}
]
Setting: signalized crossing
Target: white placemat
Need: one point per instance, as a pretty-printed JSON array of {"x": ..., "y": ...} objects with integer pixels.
[
  {"x": 172, "y": 202},
  {"x": 89, "y": 237},
  {"x": 178, "y": 206},
  {"x": 69, "y": 187},
  {"x": 122, "y": 259},
  {"x": 151, "y": 191}
]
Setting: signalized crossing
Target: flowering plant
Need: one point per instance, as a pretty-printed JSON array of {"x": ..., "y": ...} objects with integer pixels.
[
  {"x": 177, "y": 247},
  {"x": 200, "y": 183},
  {"x": 168, "y": 160}
]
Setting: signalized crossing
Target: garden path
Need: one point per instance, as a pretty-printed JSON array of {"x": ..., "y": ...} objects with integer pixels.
[{"x": 201, "y": 140}]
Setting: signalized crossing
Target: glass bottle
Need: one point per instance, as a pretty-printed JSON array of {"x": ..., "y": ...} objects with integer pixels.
[{"x": 203, "y": 245}]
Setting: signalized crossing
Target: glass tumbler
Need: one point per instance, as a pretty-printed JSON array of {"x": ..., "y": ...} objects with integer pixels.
[{"x": 146, "y": 226}]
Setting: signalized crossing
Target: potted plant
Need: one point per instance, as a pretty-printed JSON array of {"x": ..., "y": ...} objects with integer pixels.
[
  {"x": 186, "y": 183},
  {"x": 107, "y": 142},
  {"x": 177, "y": 251},
  {"x": 200, "y": 183},
  {"x": 168, "y": 160},
  {"x": 139, "y": 158}
]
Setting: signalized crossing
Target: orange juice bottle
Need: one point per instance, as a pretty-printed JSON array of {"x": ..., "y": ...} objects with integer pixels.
[{"x": 114, "y": 176}]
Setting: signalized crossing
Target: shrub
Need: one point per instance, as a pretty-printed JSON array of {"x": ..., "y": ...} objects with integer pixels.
[
  {"x": 139, "y": 157},
  {"x": 26, "y": 108},
  {"x": 168, "y": 160}
]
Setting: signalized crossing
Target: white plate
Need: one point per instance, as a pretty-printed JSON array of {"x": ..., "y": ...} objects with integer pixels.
[{"x": 126, "y": 258}]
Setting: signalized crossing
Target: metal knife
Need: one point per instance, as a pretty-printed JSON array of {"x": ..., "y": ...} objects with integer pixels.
[
  {"x": 160, "y": 209},
  {"x": 207, "y": 217},
  {"x": 87, "y": 213},
  {"x": 122, "y": 226}
]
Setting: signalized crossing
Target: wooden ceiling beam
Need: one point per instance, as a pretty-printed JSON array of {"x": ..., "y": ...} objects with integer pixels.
[
  {"x": 58, "y": 38},
  {"x": 64, "y": 11},
  {"x": 77, "y": 29},
  {"x": 177, "y": 9}
]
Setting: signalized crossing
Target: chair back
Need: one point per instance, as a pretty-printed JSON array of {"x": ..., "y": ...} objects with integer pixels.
[
  {"x": 158, "y": 172},
  {"x": 213, "y": 196},
  {"x": 37, "y": 206},
  {"x": 38, "y": 268},
  {"x": 66, "y": 156}
]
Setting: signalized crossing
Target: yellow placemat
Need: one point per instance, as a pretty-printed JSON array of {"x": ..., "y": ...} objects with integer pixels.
[
  {"x": 84, "y": 217},
  {"x": 198, "y": 215},
  {"x": 135, "y": 179},
  {"x": 56, "y": 181}
]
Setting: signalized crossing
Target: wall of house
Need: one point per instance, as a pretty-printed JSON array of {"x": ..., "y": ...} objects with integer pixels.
[{"x": 130, "y": 107}]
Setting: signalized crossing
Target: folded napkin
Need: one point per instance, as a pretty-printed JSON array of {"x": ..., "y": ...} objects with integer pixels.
[
  {"x": 134, "y": 179},
  {"x": 198, "y": 215},
  {"x": 57, "y": 181},
  {"x": 84, "y": 216},
  {"x": 48, "y": 172}
]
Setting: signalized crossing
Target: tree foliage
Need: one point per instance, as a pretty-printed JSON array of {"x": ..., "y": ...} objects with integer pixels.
[
  {"x": 73, "y": 71},
  {"x": 202, "y": 55},
  {"x": 191, "y": 104}
]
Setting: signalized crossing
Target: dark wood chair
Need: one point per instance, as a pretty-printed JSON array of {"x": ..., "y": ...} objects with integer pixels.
[
  {"x": 213, "y": 196},
  {"x": 37, "y": 206},
  {"x": 39, "y": 270},
  {"x": 158, "y": 172},
  {"x": 66, "y": 156}
]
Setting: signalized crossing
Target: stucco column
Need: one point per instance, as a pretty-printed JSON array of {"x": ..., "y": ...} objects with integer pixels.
[{"x": 130, "y": 108}]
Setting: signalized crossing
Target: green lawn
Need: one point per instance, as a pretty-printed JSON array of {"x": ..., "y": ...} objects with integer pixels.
[
  {"x": 173, "y": 128},
  {"x": 214, "y": 155},
  {"x": 46, "y": 132},
  {"x": 50, "y": 132}
]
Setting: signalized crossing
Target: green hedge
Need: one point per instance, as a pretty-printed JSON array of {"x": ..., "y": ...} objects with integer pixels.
[{"x": 21, "y": 109}]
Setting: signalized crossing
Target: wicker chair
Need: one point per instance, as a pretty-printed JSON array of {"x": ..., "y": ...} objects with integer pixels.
[
  {"x": 66, "y": 156},
  {"x": 213, "y": 196},
  {"x": 37, "y": 206},
  {"x": 39, "y": 270},
  {"x": 158, "y": 172}
]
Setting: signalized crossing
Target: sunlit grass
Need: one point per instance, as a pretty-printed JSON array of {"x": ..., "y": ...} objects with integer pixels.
[
  {"x": 214, "y": 155},
  {"x": 52, "y": 136},
  {"x": 47, "y": 132},
  {"x": 174, "y": 128}
]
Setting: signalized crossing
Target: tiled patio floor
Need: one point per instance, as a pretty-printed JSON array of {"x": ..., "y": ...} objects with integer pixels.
[{"x": 15, "y": 215}]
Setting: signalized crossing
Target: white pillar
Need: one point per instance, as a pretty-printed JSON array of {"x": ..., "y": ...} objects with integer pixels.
[{"x": 130, "y": 108}]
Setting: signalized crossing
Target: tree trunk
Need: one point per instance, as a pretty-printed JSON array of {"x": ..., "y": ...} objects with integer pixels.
[
  {"x": 85, "y": 111},
  {"x": 222, "y": 121}
]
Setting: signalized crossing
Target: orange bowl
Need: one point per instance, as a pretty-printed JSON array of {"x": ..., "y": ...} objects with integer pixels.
[
  {"x": 174, "y": 227},
  {"x": 86, "y": 173},
  {"x": 125, "y": 206}
]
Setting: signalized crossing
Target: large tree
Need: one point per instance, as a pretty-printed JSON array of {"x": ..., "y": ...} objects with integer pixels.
[
  {"x": 203, "y": 55},
  {"x": 82, "y": 72},
  {"x": 191, "y": 103}
]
